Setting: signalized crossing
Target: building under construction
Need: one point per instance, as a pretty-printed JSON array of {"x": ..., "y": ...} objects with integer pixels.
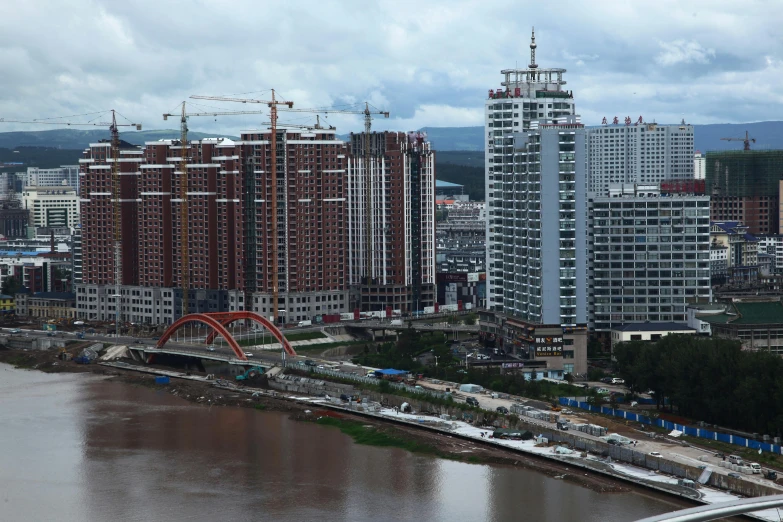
[
  {"x": 745, "y": 186},
  {"x": 317, "y": 246},
  {"x": 391, "y": 223}
]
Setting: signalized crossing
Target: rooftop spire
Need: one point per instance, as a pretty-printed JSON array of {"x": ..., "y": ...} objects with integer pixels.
[{"x": 533, "y": 46}]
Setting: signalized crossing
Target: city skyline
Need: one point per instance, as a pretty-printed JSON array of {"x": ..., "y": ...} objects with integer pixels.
[{"x": 662, "y": 61}]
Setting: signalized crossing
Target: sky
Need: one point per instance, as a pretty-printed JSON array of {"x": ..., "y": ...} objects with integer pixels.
[{"x": 429, "y": 63}]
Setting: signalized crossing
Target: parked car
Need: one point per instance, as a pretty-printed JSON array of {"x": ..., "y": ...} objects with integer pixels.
[
  {"x": 617, "y": 380},
  {"x": 248, "y": 354},
  {"x": 602, "y": 391},
  {"x": 606, "y": 380},
  {"x": 735, "y": 475},
  {"x": 502, "y": 410},
  {"x": 655, "y": 454},
  {"x": 472, "y": 401},
  {"x": 567, "y": 412}
]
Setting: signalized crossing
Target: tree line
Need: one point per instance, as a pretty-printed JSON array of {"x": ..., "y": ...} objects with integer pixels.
[{"x": 708, "y": 379}]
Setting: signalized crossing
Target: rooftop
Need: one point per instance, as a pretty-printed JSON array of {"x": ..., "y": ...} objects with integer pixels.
[
  {"x": 654, "y": 327},
  {"x": 750, "y": 313},
  {"x": 54, "y": 295},
  {"x": 446, "y": 184}
]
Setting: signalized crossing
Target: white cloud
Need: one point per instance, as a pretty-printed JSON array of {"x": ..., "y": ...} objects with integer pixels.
[
  {"x": 427, "y": 63},
  {"x": 682, "y": 52}
]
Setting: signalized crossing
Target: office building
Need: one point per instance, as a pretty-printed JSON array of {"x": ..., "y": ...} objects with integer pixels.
[
  {"x": 52, "y": 207},
  {"x": 535, "y": 186},
  {"x": 649, "y": 256},
  {"x": 745, "y": 186},
  {"x": 65, "y": 175},
  {"x": 640, "y": 153},
  {"x": 391, "y": 233}
]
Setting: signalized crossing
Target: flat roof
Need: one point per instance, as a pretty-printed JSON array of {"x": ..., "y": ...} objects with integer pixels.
[{"x": 654, "y": 327}]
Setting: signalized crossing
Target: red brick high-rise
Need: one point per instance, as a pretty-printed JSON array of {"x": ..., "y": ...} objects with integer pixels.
[{"x": 311, "y": 226}]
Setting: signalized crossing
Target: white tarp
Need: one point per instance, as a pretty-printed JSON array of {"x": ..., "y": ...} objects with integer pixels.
[{"x": 675, "y": 433}]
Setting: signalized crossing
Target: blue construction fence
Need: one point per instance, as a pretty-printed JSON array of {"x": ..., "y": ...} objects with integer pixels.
[{"x": 687, "y": 430}]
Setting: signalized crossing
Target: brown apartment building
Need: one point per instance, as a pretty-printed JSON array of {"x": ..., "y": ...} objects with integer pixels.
[
  {"x": 320, "y": 238},
  {"x": 311, "y": 223}
]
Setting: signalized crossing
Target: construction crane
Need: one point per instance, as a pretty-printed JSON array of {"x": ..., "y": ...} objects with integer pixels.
[
  {"x": 368, "y": 114},
  {"x": 273, "y": 105},
  {"x": 746, "y": 140},
  {"x": 115, "y": 193}
]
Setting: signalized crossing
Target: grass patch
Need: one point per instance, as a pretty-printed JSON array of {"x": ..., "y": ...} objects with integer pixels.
[
  {"x": 371, "y": 436},
  {"x": 259, "y": 407}
]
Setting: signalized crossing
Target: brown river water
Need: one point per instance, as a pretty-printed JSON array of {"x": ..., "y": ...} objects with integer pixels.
[{"x": 74, "y": 447}]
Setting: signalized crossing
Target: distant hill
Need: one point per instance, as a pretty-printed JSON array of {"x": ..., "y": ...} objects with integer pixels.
[
  {"x": 768, "y": 134},
  {"x": 80, "y": 139}
]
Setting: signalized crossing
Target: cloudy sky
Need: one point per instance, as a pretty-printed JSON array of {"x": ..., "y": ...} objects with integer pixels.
[{"x": 430, "y": 63}]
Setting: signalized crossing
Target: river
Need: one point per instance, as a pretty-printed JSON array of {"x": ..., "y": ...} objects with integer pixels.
[{"x": 75, "y": 447}]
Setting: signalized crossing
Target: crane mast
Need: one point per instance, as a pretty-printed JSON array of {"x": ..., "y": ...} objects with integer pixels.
[
  {"x": 183, "y": 213},
  {"x": 116, "y": 218}
]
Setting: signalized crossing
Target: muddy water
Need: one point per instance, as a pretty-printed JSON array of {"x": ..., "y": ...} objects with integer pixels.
[{"x": 76, "y": 448}]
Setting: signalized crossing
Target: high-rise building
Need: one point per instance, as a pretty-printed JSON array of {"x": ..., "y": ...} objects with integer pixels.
[
  {"x": 744, "y": 186},
  {"x": 641, "y": 153},
  {"x": 535, "y": 186},
  {"x": 312, "y": 237},
  {"x": 699, "y": 165},
  {"x": 649, "y": 256},
  {"x": 151, "y": 231},
  {"x": 391, "y": 222}
]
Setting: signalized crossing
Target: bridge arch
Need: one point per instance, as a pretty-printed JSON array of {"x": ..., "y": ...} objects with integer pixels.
[
  {"x": 226, "y": 318},
  {"x": 208, "y": 320}
]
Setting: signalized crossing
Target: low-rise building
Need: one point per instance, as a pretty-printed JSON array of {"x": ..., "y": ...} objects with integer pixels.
[
  {"x": 46, "y": 305},
  {"x": 756, "y": 322},
  {"x": 548, "y": 351},
  {"x": 6, "y": 304},
  {"x": 650, "y": 332},
  {"x": 697, "y": 314}
]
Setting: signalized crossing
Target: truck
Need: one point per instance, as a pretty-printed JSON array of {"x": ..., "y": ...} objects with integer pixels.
[
  {"x": 304, "y": 323},
  {"x": 396, "y": 322},
  {"x": 250, "y": 373}
]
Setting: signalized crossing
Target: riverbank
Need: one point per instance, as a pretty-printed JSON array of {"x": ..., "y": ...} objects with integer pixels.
[{"x": 409, "y": 438}]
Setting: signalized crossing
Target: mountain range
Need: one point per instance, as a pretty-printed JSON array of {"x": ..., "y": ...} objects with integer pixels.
[{"x": 768, "y": 135}]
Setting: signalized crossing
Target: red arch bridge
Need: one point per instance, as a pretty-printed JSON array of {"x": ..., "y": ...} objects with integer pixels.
[{"x": 218, "y": 323}]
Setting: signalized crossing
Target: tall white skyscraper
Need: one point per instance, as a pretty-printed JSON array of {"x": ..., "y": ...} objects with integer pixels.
[
  {"x": 644, "y": 153},
  {"x": 699, "y": 165},
  {"x": 535, "y": 186}
]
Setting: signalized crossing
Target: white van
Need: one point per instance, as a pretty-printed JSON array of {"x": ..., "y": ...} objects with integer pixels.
[
  {"x": 305, "y": 323},
  {"x": 755, "y": 467},
  {"x": 735, "y": 459}
]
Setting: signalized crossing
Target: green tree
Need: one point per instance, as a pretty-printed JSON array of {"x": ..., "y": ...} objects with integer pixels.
[
  {"x": 470, "y": 319},
  {"x": 10, "y": 286}
]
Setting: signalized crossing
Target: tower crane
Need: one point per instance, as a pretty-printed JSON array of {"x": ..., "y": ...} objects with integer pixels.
[
  {"x": 115, "y": 193},
  {"x": 746, "y": 140},
  {"x": 367, "y": 175},
  {"x": 273, "y": 105}
]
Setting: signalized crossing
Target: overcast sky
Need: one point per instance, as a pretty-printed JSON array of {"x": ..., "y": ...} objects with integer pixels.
[{"x": 428, "y": 62}]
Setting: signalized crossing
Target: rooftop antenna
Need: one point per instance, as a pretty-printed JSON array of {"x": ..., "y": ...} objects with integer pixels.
[{"x": 533, "y": 50}]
